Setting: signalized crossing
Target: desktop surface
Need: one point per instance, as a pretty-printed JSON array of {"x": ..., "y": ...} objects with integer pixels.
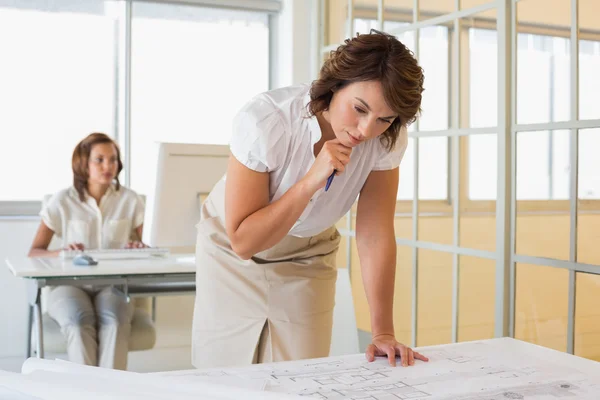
[{"x": 55, "y": 267}]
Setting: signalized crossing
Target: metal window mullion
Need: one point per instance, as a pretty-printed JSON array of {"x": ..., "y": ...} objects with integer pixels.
[
  {"x": 271, "y": 21},
  {"x": 454, "y": 131},
  {"x": 415, "y": 208},
  {"x": 380, "y": 14},
  {"x": 350, "y": 19},
  {"x": 548, "y": 42},
  {"x": 415, "y": 250},
  {"x": 561, "y": 264},
  {"x": 512, "y": 25},
  {"x": 17, "y": 209},
  {"x": 455, "y": 180},
  {"x": 583, "y": 124},
  {"x": 574, "y": 155},
  {"x": 116, "y": 66},
  {"x": 127, "y": 96},
  {"x": 323, "y": 24},
  {"x": 449, "y": 121},
  {"x": 502, "y": 276},
  {"x": 443, "y": 19},
  {"x": 446, "y": 248},
  {"x": 456, "y": 233},
  {"x": 349, "y": 243}
]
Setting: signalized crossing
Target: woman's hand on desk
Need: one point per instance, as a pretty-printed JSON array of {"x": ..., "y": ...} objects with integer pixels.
[
  {"x": 135, "y": 244},
  {"x": 75, "y": 246},
  {"x": 387, "y": 345}
]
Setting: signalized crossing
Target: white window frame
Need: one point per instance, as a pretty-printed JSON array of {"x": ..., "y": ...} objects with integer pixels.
[{"x": 12, "y": 209}]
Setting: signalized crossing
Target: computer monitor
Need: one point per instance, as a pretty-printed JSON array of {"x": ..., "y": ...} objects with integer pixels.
[{"x": 185, "y": 174}]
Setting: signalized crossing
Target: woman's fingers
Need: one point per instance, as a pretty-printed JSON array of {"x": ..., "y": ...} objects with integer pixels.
[
  {"x": 420, "y": 356},
  {"x": 391, "y": 355},
  {"x": 340, "y": 148},
  {"x": 370, "y": 352}
]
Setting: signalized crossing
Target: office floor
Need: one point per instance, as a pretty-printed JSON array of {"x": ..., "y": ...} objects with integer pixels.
[{"x": 155, "y": 360}]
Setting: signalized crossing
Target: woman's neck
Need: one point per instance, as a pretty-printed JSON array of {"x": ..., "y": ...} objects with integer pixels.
[{"x": 96, "y": 191}]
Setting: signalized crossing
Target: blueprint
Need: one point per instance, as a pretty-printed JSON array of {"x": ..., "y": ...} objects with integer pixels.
[{"x": 497, "y": 369}]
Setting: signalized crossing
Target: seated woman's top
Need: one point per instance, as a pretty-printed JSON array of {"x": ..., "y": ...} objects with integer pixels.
[
  {"x": 272, "y": 133},
  {"x": 108, "y": 225}
]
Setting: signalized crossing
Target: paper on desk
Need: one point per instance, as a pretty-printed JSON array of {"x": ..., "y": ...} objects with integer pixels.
[
  {"x": 33, "y": 364},
  {"x": 491, "y": 369},
  {"x": 12, "y": 393},
  {"x": 62, "y": 366},
  {"x": 49, "y": 385},
  {"x": 217, "y": 378},
  {"x": 132, "y": 383}
]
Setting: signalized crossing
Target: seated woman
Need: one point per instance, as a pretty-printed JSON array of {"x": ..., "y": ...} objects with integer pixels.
[{"x": 97, "y": 212}]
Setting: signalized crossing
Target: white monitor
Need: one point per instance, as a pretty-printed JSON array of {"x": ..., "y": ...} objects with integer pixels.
[{"x": 185, "y": 174}]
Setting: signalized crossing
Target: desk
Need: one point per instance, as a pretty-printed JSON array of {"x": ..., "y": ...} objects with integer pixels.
[
  {"x": 174, "y": 274},
  {"x": 495, "y": 369}
]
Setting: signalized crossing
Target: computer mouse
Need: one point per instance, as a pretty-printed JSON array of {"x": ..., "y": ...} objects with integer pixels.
[{"x": 84, "y": 260}]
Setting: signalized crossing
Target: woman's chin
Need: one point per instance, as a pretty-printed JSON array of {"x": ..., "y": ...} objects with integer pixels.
[{"x": 102, "y": 181}]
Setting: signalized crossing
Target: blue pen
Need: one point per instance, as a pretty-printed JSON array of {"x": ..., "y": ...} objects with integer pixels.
[{"x": 330, "y": 179}]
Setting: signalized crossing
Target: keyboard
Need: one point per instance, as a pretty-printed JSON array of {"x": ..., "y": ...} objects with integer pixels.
[{"x": 118, "y": 254}]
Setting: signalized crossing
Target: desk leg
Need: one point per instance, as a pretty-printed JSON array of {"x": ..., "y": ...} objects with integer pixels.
[
  {"x": 34, "y": 298},
  {"x": 39, "y": 328},
  {"x": 154, "y": 309},
  {"x": 29, "y": 328}
]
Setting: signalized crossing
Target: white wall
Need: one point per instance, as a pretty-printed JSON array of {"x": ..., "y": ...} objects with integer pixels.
[
  {"x": 295, "y": 54},
  {"x": 15, "y": 239}
]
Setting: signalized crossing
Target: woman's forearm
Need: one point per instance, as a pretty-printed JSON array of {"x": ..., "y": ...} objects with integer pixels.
[
  {"x": 267, "y": 226},
  {"x": 34, "y": 252},
  {"x": 378, "y": 267}
]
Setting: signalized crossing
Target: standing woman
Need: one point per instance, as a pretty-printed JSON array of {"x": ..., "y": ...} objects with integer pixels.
[
  {"x": 267, "y": 241},
  {"x": 97, "y": 212}
]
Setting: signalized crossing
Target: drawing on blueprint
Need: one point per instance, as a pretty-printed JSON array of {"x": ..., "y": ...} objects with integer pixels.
[
  {"x": 470, "y": 371},
  {"x": 553, "y": 389}
]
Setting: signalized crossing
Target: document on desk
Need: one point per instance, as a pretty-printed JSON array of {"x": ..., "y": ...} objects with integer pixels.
[
  {"x": 12, "y": 392},
  {"x": 499, "y": 369},
  {"x": 62, "y": 380}
]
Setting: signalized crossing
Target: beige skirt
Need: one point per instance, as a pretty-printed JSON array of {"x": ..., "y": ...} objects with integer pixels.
[{"x": 276, "y": 306}]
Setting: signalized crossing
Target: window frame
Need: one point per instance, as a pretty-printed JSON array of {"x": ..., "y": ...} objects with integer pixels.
[
  {"x": 466, "y": 205},
  {"x": 122, "y": 89},
  {"x": 522, "y": 206}
]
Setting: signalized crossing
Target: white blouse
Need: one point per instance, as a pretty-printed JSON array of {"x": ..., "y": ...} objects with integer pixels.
[
  {"x": 107, "y": 225},
  {"x": 272, "y": 133}
]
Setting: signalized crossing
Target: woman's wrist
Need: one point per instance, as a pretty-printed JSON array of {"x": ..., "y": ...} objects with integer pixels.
[
  {"x": 305, "y": 187},
  {"x": 375, "y": 335},
  {"x": 382, "y": 323}
]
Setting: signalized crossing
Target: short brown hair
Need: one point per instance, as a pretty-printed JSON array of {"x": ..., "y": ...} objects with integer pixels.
[
  {"x": 81, "y": 157},
  {"x": 376, "y": 56}
]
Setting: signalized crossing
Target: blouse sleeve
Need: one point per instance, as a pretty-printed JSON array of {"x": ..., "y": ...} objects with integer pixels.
[
  {"x": 259, "y": 140},
  {"x": 51, "y": 215},
  {"x": 391, "y": 159}
]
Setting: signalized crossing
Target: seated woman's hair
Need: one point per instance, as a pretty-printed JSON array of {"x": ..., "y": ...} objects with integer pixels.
[
  {"x": 81, "y": 157},
  {"x": 375, "y": 56}
]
